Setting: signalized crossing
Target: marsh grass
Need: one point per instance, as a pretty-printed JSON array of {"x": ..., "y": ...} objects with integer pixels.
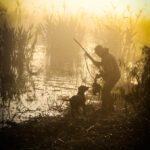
[
  {"x": 16, "y": 51},
  {"x": 62, "y": 54}
]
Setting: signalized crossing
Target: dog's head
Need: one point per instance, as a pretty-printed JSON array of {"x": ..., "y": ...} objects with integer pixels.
[{"x": 82, "y": 88}]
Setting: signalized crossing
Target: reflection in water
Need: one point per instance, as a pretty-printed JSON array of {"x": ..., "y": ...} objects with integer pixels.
[{"x": 44, "y": 95}]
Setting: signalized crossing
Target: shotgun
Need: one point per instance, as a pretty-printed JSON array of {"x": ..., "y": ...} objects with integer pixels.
[{"x": 96, "y": 63}]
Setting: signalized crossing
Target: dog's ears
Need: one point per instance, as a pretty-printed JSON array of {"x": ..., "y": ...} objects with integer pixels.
[
  {"x": 84, "y": 88},
  {"x": 87, "y": 87}
]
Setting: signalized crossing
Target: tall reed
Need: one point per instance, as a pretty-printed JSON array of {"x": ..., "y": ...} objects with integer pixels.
[
  {"x": 62, "y": 54},
  {"x": 16, "y": 50}
]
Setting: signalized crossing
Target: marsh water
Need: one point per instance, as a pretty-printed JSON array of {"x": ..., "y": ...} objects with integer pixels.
[{"x": 45, "y": 94}]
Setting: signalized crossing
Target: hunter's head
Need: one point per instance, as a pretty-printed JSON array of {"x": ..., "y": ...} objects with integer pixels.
[{"x": 101, "y": 51}]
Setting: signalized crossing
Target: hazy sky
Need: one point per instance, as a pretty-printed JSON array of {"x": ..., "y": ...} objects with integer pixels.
[{"x": 97, "y": 7}]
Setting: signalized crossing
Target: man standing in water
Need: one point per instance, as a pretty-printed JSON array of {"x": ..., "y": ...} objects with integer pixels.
[{"x": 110, "y": 75}]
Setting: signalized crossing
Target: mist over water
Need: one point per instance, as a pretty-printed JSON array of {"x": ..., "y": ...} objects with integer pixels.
[{"x": 54, "y": 65}]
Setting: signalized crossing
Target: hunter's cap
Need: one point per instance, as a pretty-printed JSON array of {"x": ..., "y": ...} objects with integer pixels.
[{"x": 100, "y": 49}]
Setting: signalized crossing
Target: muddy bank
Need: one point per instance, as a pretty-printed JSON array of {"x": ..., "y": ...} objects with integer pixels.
[{"x": 98, "y": 131}]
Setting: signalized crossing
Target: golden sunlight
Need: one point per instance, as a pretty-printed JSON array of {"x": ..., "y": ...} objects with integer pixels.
[
  {"x": 74, "y": 74},
  {"x": 97, "y": 7}
]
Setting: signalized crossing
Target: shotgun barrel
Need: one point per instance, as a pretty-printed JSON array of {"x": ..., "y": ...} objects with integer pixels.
[
  {"x": 80, "y": 45},
  {"x": 88, "y": 55}
]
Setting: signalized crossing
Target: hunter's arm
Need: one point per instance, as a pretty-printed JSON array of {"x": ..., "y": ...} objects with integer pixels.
[{"x": 96, "y": 63}]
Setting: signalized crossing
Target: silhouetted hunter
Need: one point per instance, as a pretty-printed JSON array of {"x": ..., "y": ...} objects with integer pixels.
[{"x": 110, "y": 75}]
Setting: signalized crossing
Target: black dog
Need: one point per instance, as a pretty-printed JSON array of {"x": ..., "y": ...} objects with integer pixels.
[{"x": 77, "y": 102}]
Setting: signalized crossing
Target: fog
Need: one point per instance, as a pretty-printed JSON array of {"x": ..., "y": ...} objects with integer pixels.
[{"x": 39, "y": 38}]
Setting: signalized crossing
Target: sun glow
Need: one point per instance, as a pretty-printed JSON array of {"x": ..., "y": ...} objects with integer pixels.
[
  {"x": 93, "y": 7},
  {"x": 97, "y": 7}
]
